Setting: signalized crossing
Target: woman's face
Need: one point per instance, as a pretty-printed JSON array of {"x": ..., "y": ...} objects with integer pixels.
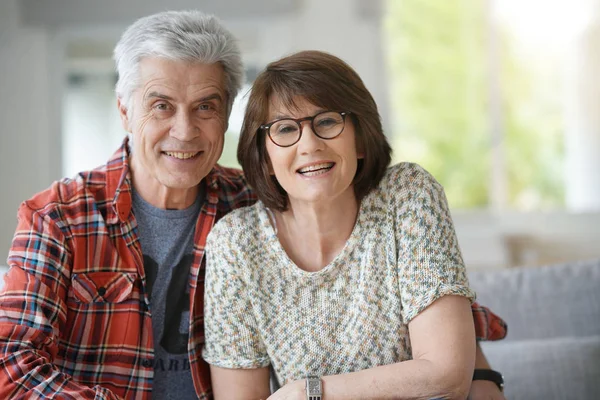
[{"x": 313, "y": 170}]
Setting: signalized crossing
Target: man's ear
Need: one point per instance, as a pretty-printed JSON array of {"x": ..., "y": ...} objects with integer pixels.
[{"x": 123, "y": 114}]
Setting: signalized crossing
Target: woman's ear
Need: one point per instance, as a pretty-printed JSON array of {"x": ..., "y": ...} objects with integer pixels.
[
  {"x": 360, "y": 150},
  {"x": 360, "y": 146}
]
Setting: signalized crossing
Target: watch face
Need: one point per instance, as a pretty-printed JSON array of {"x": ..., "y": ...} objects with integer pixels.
[{"x": 314, "y": 387}]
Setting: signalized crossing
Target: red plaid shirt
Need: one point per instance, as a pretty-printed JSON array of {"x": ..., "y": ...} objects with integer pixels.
[{"x": 74, "y": 316}]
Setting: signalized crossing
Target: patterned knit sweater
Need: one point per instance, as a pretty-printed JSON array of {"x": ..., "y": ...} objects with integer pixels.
[{"x": 262, "y": 309}]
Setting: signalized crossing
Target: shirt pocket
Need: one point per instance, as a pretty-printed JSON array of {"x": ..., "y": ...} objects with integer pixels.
[
  {"x": 100, "y": 310},
  {"x": 101, "y": 287}
]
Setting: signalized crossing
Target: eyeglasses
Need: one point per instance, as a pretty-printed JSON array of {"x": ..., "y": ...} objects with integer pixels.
[{"x": 287, "y": 132}]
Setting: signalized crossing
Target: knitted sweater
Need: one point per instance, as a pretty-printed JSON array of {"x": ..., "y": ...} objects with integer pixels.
[{"x": 261, "y": 309}]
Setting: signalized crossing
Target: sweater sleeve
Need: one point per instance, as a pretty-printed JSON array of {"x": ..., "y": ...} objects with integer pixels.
[
  {"x": 430, "y": 263},
  {"x": 232, "y": 335}
]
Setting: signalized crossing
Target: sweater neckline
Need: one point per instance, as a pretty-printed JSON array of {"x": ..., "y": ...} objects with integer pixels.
[{"x": 267, "y": 220}]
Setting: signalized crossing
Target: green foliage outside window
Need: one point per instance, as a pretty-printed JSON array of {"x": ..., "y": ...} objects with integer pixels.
[
  {"x": 534, "y": 130},
  {"x": 437, "y": 59}
]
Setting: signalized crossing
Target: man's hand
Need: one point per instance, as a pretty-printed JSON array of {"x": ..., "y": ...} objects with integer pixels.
[
  {"x": 485, "y": 390},
  {"x": 292, "y": 391}
]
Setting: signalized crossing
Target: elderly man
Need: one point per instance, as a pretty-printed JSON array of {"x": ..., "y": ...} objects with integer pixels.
[{"x": 104, "y": 296}]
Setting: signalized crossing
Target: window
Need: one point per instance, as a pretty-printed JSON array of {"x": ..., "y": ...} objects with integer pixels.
[{"x": 478, "y": 93}]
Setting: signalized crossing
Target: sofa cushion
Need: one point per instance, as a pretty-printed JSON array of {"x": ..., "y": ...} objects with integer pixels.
[
  {"x": 559, "y": 368},
  {"x": 543, "y": 302}
]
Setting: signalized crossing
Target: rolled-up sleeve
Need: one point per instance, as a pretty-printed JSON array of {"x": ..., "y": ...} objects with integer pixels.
[
  {"x": 232, "y": 336},
  {"x": 430, "y": 263}
]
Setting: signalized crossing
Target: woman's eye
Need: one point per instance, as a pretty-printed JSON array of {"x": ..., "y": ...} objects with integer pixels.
[
  {"x": 285, "y": 129},
  {"x": 327, "y": 122}
]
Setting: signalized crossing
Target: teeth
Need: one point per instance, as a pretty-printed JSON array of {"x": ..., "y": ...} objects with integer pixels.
[
  {"x": 181, "y": 156},
  {"x": 315, "y": 167}
]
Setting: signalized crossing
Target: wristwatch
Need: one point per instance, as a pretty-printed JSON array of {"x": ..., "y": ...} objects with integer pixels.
[
  {"x": 489, "y": 375},
  {"x": 314, "y": 388}
]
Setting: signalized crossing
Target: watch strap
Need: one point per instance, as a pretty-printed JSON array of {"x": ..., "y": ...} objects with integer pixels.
[{"x": 489, "y": 375}]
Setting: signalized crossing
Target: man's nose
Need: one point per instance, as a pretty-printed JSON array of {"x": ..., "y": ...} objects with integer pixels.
[{"x": 183, "y": 127}]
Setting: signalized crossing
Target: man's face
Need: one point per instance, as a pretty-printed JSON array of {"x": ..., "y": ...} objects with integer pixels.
[{"x": 178, "y": 121}]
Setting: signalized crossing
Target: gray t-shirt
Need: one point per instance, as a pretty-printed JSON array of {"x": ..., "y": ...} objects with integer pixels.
[{"x": 167, "y": 239}]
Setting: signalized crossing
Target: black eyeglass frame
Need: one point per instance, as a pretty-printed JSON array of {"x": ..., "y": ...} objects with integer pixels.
[{"x": 299, "y": 121}]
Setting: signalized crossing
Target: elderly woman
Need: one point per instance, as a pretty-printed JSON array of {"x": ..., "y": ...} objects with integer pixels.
[{"x": 346, "y": 277}]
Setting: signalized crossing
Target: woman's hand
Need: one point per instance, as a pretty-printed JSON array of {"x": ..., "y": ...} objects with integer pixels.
[
  {"x": 292, "y": 391},
  {"x": 485, "y": 390}
]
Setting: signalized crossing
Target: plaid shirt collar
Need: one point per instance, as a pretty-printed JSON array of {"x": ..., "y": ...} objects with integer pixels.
[{"x": 118, "y": 181}]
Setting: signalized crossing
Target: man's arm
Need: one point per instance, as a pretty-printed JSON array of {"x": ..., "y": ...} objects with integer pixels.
[
  {"x": 33, "y": 313},
  {"x": 488, "y": 326},
  {"x": 483, "y": 389}
]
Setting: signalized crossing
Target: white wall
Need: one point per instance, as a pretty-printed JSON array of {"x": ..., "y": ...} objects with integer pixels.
[
  {"x": 350, "y": 30},
  {"x": 92, "y": 127},
  {"x": 496, "y": 240},
  {"x": 28, "y": 160}
]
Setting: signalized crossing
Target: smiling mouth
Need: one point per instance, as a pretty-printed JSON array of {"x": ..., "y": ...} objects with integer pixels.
[
  {"x": 182, "y": 155},
  {"x": 316, "y": 169}
]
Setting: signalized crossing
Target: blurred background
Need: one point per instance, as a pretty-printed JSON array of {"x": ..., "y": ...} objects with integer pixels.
[{"x": 499, "y": 100}]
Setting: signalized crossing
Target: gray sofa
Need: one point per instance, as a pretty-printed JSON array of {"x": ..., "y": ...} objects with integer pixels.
[{"x": 552, "y": 349}]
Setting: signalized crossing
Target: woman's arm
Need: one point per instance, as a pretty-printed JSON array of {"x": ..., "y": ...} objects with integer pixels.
[
  {"x": 243, "y": 384},
  {"x": 233, "y": 346},
  {"x": 443, "y": 348}
]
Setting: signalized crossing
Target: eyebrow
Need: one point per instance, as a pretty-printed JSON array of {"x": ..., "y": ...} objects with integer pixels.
[
  {"x": 213, "y": 96},
  {"x": 158, "y": 95}
]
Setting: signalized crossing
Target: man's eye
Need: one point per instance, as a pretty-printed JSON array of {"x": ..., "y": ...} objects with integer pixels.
[
  {"x": 204, "y": 107},
  {"x": 162, "y": 107}
]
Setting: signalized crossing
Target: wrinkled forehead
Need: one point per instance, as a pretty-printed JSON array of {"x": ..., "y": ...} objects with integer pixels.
[{"x": 181, "y": 74}]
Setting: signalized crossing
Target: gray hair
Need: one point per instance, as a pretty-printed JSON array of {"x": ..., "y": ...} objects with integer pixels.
[{"x": 181, "y": 36}]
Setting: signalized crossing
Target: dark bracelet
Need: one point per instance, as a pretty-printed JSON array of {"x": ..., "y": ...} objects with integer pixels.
[{"x": 489, "y": 375}]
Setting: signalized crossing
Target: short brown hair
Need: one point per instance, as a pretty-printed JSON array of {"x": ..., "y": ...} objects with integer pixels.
[{"x": 327, "y": 82}]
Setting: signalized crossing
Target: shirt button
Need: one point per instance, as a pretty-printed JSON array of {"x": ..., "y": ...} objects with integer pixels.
[
  {"x": 102, "y": 291},
  {"x": 147, "y": 363}
]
